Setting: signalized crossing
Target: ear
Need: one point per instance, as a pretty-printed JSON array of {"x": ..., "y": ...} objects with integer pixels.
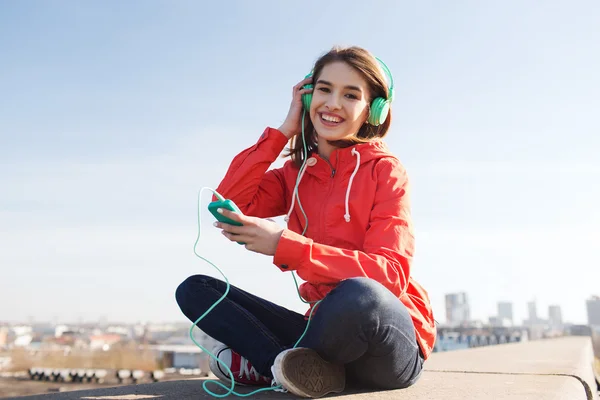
[{"x": 367, "y": 113}]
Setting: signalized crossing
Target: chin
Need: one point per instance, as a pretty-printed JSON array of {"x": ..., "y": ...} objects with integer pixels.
[
  {"x": 330, "y": 133},
  {"x": 333, "y": 137}
]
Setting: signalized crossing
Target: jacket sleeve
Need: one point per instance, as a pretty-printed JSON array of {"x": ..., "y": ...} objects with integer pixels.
[
  {"x": 388, "y": 245},
  {"x": 248, "y": 183}
]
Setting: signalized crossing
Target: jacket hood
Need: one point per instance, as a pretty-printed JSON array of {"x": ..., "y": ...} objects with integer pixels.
[
  {"x": 369, "y": 151},
  {"x": 342, "y": 160}
]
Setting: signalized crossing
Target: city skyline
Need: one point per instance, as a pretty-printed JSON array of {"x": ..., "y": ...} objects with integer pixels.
[
  {"x": 459, "y": 303},
  {"x": 500, "y": 305}
]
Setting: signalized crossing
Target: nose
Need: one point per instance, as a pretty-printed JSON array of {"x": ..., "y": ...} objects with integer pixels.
[{"x": 333, "y": 102}]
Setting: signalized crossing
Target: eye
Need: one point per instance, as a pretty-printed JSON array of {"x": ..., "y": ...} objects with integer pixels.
[
  {"x": 352, "y": 96},
  {"x": 324, "y": 89}
]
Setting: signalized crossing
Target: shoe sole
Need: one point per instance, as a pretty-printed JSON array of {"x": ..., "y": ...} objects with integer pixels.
[
  {"x": 304, "y": 373},
  {"x": 215, "y": 368}
]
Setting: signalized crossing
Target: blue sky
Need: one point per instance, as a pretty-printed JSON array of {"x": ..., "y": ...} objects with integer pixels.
[{"x": 114, "y": 114}]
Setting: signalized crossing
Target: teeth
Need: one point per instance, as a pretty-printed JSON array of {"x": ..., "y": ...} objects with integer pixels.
[{"x": 330, "y": 118}]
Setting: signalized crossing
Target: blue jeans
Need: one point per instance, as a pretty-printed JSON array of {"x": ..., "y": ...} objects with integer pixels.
[{"x": 360, "y": 324}]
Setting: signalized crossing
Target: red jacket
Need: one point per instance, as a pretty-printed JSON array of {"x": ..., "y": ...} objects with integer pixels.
[{"x": 359, "y": 227}]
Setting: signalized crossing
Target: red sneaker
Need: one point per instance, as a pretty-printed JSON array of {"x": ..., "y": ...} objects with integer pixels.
[{"x": 242, "y": 370}]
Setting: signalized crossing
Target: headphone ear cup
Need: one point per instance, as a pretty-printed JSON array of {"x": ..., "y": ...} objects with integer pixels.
[
  {"x": 380, "y": 108},
  {"x": 306, "y": 99}
]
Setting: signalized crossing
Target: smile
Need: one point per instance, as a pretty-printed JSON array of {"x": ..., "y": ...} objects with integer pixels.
[{"x": 330, "y": 119}]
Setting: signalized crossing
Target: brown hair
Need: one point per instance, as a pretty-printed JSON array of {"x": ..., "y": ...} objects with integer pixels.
[{"x": 368, "y": 66}]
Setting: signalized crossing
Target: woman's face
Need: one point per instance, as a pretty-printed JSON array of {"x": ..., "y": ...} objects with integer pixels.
[{"x": 340, "y": 102}]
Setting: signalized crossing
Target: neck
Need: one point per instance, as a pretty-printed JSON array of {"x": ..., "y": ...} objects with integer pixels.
[{"x": 324, "y": 148}]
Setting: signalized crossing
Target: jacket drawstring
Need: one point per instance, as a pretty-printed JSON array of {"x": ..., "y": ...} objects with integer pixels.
[
  {"x": 357, "y": 154},
  {"x": 303, "y": 170}
]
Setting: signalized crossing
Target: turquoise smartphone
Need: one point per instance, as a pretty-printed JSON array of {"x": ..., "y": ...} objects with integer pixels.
[{"x": 228, "y": 205}]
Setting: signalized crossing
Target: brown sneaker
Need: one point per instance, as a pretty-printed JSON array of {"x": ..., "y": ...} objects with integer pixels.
[{"x": 304, "y": 373}]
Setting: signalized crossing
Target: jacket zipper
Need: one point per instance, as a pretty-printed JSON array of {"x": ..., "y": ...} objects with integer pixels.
[
  {"x": 330, "y": 166},
  {"x": 324, "y": 206}
]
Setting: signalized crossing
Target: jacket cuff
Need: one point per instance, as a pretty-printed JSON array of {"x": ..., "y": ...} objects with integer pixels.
[{"x": 291, "y": 250}]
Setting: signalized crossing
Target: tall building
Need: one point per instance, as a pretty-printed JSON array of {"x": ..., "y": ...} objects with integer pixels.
[
  {"x": 505, "y": 311},
  {"x": 593, "y": 310},
  {"x": 532, "y": 312},
  {"x": 457, "y": 309},
  {"x": 555, "y": 316}
]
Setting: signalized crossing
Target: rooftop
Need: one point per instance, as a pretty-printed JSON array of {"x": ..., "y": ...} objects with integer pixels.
[{"x": 558, "y": 368}]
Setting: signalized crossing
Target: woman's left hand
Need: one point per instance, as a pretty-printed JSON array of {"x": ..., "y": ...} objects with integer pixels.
[{"x": 259, "y": 235}]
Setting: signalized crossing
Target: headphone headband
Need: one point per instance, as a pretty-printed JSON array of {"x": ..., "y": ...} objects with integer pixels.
[{"x": 387, "y": 71}]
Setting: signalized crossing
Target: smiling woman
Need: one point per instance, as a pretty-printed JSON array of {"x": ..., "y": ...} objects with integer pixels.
[{"x": 351, "y": 240}]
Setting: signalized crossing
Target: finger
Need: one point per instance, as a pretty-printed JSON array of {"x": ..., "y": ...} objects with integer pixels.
[
  {"x": 230, "y": 236},
  {"x": 230, "y": 228},
  {"x": 237, "y": 217},
  {"x": 303, "y": 82},
  {"x": 299, "y": 93},
  {"x": 236, "y": 238}
]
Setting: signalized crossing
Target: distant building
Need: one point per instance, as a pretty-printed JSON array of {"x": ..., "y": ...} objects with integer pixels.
[
  {"x": 66, "y": 340},
  {"x": 500, "y": 322},
  {"x": 593, "y": 310},
  {"x": 532, "y": 312},
  {"x": 535, "y": 324},
  {"x": 60, "y": 330},
  {"x": 458, "y": 311},
  {"x": 23, "y": 340},
  {"x": 125, "y": 331},
  {"x": 104, "y": 342},
  {"x": 580, "y": 330},
  {"x": 555, "y": 316},
  {"x": 181, "y": 356},
  {"x": 505, "y": 312}
]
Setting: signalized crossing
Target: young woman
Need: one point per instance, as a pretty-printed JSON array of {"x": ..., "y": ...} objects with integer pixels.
[{"x": 349, "y": 237}]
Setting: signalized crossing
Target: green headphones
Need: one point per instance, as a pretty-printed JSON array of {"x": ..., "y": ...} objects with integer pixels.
[{"x": 380, "y": 107}]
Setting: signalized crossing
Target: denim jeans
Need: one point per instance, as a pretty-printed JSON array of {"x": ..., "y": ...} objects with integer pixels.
[{"x": 360, "y": 324}]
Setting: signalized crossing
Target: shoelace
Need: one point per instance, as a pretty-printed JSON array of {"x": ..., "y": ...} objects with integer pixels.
[
  {"x": 275, "y": 384},
  {"x": 248, "y": 373},
  {"x": 245, "y": 372}
]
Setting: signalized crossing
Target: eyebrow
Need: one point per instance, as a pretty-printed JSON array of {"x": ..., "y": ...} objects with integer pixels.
[{"x": 346, "y": 87}]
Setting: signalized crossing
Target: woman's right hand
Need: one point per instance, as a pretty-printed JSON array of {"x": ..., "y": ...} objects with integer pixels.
[{"x": 292, "y": 124}]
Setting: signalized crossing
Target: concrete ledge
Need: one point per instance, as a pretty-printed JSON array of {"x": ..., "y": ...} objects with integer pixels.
[
  {"x": 568, "y": 357},
  {"x": 549, "y": 369}
]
